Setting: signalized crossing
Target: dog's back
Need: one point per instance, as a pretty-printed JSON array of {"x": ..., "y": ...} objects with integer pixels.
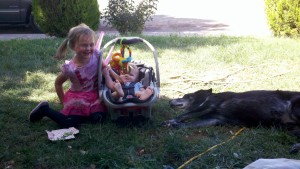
[{"x": 250, "y": 108}]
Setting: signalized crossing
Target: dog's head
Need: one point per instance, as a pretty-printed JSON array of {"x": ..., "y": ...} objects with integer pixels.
[{"x": 190, "y": 100}]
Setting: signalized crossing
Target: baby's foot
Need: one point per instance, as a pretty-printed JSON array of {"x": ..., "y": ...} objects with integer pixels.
[
  {"x": 146, "y": 93},
  {"x": 118, "y": 89},
  {"x": 138, "y": 94}
]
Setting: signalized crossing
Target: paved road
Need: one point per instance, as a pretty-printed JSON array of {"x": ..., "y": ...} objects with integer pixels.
[
  {"x": 208, "y": 17},
  {"x": 201, "y": 17}
]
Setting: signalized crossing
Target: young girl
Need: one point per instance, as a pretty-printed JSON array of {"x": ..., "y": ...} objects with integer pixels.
[
  {"x": 130, "y": 88},
  {"x": 81, "y": 102}
]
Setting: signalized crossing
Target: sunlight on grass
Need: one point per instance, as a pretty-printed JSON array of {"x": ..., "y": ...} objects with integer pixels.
[
  {"x": 187, "y": 64},
  {"x": 41, "y": 85}
]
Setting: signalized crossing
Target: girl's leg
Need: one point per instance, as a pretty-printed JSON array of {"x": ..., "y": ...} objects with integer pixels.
[
  {"x": 36, "y": 114},
  {"x": 63, "y": 120},
  {"x": 97, "y": 117},
  {"x": 43, "y": 109}
]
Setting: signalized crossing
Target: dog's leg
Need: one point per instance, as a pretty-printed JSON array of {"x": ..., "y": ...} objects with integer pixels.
[
  {"x": 296, "y": 147},
  {"x": 171, "y": 123},
  {"x": 296, "y": 132},
  {"x": 203, "y": 123},
  {"x": 198, "y": 123},
  {"x": 179, "y": 120},
  {"x": 192, "y": 114}
]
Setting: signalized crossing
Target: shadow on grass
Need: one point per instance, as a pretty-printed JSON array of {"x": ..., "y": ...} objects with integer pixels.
[
  {"x": 20, "y": 58},
  {"x": 27, "y": 69}
]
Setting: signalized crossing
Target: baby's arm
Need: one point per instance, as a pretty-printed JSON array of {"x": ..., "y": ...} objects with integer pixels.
[{"x": 115, "y": 76}]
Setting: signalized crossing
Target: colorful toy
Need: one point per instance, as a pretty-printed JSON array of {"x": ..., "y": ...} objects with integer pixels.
[{"x": 119, "y": 62}]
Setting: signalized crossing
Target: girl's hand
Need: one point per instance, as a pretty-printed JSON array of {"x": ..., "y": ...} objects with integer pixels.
[{"x": 105, "y": 71}]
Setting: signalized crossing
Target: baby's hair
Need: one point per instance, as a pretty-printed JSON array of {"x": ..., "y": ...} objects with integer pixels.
[
  {"x": 134, "y": 69},
  {"x": 72, "y": 38},
  {"x": 132, "y": 66}
]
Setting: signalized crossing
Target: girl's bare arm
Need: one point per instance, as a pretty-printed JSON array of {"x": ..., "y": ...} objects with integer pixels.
[
  {"x": 59, "y": 86},
  {"x": 108, "y": 80}
]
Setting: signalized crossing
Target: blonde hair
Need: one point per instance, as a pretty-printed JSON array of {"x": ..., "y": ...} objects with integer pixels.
[{"x": 72, "y": 38}]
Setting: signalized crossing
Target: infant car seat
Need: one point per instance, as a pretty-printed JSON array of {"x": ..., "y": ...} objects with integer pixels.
[{"x": 148, "y": 76}]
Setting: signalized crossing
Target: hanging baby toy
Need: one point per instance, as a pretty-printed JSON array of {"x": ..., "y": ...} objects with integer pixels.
[{"x": 119, "y": 62}]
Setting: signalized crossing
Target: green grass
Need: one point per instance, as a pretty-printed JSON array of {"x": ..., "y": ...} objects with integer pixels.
[{"x": 223, "y": 63}]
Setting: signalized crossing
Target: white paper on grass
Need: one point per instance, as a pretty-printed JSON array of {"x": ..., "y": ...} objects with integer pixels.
[{"x": 62, "y": 134}]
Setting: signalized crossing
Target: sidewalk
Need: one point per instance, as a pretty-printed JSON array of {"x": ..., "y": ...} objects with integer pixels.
[
  {"x": 207, "y": 17},
  {"x": 196, "y": 17}
]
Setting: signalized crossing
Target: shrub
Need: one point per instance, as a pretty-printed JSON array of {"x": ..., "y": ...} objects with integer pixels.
[
  {"x": 284, "y": 17},
  {"x": 55, "y": 18},
  {"x": 127, "y": 18}
]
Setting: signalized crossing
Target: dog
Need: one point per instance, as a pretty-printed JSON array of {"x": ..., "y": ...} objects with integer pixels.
[{"x": 251, "y": 108}]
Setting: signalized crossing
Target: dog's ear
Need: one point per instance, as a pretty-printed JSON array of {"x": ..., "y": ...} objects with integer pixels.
[{"x": 210, "y": 90}]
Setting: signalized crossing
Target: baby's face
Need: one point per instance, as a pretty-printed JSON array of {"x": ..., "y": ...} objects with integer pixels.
[{"x": 132, "y": 76}]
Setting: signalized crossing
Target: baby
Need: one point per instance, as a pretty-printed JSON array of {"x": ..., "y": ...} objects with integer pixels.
[{"x": 130, "y": 86}]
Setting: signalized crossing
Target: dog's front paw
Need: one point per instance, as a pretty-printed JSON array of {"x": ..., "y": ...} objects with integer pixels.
[{"x": 171, "y": 124}]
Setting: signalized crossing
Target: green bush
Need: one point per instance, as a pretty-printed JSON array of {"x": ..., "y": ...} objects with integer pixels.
[
  {"x": 284, "y": 17},
  {"x": 56, "y": 17},
  {"x": 124, "y": 16}
]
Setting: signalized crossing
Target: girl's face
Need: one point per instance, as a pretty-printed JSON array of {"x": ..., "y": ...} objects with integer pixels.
[{"x": 85, "y": 46}]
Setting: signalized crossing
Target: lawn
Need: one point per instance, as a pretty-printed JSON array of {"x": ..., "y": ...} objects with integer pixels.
[{"x": 223, "y": 63}]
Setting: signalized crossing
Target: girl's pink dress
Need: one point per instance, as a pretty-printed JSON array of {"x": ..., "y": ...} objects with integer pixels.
[{"x": 83, "y": 97}]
